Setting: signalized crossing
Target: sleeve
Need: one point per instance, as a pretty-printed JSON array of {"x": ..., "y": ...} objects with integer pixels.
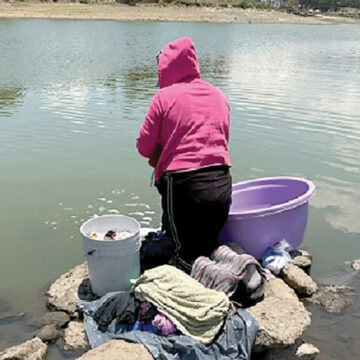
[{"x": 149, "y": 136}]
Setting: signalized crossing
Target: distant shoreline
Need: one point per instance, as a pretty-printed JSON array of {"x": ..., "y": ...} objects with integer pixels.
[{"x": 153, "y": 12}]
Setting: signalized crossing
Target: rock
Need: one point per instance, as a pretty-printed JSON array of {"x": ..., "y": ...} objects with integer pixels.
[
  {"x": 356, "y": 265},
  {"x": 301, "y": 282},
  {"x": 57, "y": 318},
  {"x": 68, "y": 288},
  {"x": 333, "y": 298},
  {"x": 75, "y": 336},
  {"x": 302, "y": 259},
  {"x": 118, "y": 350},
  {"x": 48, "y": 333},
  {"x": 33, "y": 349},
  {"x": 281, "y": 316},
  {"x": 277, "y": 288},
  {"x": 295, "y": 352},
  {"x": 307, "y": 352}
]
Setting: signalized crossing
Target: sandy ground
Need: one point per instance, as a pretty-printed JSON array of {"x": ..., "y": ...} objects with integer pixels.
[{"x": 157, "y": 13}]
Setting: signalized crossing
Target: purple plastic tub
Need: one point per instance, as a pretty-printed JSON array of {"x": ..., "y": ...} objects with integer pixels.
[{"x": 264, "y": 211}]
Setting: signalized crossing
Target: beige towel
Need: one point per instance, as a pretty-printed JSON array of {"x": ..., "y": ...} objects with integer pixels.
[{"x": 196, "y": 311}]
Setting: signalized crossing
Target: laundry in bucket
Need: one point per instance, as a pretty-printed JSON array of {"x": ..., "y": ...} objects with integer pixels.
[
  {"x": 111, "y": 235},
  {"x": 277, "y": 257}
]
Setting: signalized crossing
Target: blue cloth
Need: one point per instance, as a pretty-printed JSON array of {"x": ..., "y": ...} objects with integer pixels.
[{"x": 139, "y": 326}]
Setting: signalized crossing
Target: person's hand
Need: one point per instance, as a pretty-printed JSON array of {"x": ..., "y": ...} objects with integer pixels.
[{"x": 155, "y": 155}]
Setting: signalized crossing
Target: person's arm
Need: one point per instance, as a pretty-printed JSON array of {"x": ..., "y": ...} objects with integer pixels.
[{"x": 148, "y": 141}]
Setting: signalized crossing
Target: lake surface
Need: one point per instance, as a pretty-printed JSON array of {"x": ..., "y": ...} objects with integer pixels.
[{"x": 73, "y": 95}]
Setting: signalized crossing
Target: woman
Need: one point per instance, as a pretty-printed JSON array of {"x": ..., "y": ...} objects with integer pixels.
[{"x": 185, "y": 137}]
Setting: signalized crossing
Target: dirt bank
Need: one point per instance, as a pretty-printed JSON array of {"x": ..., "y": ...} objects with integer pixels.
[{"x": 147, "y": 12}]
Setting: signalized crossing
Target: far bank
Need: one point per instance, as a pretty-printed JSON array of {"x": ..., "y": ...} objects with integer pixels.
[{"x": 152, "y": 12}]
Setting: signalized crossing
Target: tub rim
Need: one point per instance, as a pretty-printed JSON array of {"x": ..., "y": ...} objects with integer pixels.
[
  {"x": 289, "y": 205},
  {"x": 137, "y": 233}
]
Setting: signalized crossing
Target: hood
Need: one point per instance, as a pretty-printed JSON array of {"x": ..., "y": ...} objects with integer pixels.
[{"x": 177, "y": 62}]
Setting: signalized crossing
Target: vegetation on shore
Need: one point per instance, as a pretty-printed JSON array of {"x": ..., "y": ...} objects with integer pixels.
[
  {"x": 240, "y": 11},
  {"x": 349, "y": 8}
]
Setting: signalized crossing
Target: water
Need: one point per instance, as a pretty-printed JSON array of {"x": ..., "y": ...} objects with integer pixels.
[{"x": 73, "y": 95}]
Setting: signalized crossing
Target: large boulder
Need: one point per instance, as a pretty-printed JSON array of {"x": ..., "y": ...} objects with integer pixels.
[
  {"x": 333, "y": 298},
  {"x": 68, "y": 288},
  {"x": 75, "y": 337},
  {"x": 301, "y": 282},
  {"x": 118, "y": 350},
  {"x": 33, "y": 349},
  {"x": 282, "y": 318}
]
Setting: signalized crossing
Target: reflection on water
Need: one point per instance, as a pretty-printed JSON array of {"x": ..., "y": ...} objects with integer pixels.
[
  {"x": 9, "y": 100},
  {"x": 67, "y": 143}
]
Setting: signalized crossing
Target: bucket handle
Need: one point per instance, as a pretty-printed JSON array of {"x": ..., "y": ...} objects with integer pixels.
[{"x": 90, "y": 252}]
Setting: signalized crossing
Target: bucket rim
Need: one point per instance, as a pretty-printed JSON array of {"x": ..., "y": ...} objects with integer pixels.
[
  {"x": 288, "y": 205},
  {"x": 108, "y": 241}
]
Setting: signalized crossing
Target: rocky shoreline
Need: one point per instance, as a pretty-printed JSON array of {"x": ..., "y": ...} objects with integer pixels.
[
  {"x": 283, "y": 315},
  {"x": 159, "y": 12}
]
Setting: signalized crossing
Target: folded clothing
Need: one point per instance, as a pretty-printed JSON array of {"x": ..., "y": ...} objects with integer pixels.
[
  {"x": 195, "y": 311},
  {"x": 240, "y": 276}
]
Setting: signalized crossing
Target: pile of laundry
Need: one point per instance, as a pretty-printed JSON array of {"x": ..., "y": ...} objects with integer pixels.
[{"x": 197, "y": 316}]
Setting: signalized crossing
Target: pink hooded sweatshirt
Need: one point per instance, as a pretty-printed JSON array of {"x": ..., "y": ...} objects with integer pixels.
[{"x": 188, "y": 117}]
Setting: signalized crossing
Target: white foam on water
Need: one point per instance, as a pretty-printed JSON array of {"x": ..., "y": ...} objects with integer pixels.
[
  {"x": 136, "y": 213},
  {"x": 113, "y": 211}
]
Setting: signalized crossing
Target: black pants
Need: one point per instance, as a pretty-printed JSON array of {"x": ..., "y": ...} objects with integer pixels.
[{"x": 195, "y": 208}]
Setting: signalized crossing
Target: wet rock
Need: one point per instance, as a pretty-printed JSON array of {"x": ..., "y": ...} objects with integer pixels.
[
  {"x": 118, "y": 349},
  {"x": 33, "y": 349},
  {"x": 356, "y": 265},
  {"x": 57, "y": 318},
  {"x": 302, "y": 259},
  {"x": 307, "y": 352},
  {"x": 333, "y": 298},
  {"x": 299, "y": 351},
  {"x": 281, "y": 316},
  {"x": 48, "y": 333},
  {"x": 68, "y": 288},
  {"x": 75, "y": 337},
  {"x": 301, "y": 282}
]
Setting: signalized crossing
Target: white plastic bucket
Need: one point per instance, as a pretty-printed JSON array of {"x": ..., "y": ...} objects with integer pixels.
[{"x": 111, "y": 263}]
